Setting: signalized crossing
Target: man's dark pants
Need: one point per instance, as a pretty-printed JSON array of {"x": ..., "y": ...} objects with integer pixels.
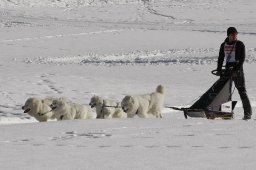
[{"x": 240, "y": 85}]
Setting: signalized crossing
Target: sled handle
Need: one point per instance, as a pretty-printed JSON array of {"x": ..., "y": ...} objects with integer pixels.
[
  {"x": 223, "y": 72},
  {"x": 214, "y": 72}
]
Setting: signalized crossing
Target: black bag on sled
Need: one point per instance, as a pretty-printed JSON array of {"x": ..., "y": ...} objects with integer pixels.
[{"x": 215, "y": 102}]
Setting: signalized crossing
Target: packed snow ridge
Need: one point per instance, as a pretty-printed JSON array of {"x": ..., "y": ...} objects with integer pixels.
[
  {"x": 200, "y": 56},
  {"x": 80, "y": 3}
]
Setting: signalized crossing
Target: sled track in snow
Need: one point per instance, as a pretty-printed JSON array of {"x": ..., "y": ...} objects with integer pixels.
[{"x": 156, "y": 57}]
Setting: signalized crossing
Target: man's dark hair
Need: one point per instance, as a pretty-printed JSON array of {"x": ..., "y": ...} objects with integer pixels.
[{"x": 231, "y": 30}]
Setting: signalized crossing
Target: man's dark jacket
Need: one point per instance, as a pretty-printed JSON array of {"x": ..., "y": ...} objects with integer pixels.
[{"x": 239, "y": 54}]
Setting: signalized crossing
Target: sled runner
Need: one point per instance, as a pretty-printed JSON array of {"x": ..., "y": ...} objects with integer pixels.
[{"x": 215, "y": 102}]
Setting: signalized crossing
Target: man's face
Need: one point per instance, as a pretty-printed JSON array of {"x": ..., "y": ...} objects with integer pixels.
[{"x": 233, "y": 36}]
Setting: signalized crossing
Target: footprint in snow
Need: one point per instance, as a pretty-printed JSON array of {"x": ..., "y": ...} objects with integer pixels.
[
  {"x": 244, "y": 147},
  {"x": 127, "y": 146},
  {"x": 25, "y": 140},
  {"x": 104, "y": 146},
  {"x": 81, "y": 146},
  {"x": 223, "y": 147},
  {"x": 95, "y": 135},
  {"x": 72, "y": 134},
  {"x": 38, "y": 144},
  {"x": 223, "y": 134},
  {"x": 152, "y": 146},
  {"x": 190, "y": 135},
  {"x": 197, "y": 146},
  {"x": 173, "y": 146},
  {"x": 187, "y": 125}
]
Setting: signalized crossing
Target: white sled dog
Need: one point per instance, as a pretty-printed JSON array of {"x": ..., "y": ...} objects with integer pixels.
[
  {"x": 65, "y": 110},
  {"x": 106, "y": 109},
  {"x": 145, "y": 105},
  {"x": 39, "y": 108}
]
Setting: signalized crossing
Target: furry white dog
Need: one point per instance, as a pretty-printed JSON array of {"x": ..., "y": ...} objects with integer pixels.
[
  {"x": 64, "y": 110},
  {"x": 39, "y": 108},
  {"x": 145, "y": 105},
  {"x": 107, "y": 109}
]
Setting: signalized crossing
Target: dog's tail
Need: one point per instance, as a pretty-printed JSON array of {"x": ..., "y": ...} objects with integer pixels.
[{"x": 160, "y": 89}]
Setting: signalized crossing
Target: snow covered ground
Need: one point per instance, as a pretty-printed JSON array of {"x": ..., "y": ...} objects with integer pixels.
[{"x": 78, "y": 48}]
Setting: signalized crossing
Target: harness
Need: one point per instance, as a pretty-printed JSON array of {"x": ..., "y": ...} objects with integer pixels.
[
  {"x": 103, "y": 106},
  {"x": 42, "y": 114}
]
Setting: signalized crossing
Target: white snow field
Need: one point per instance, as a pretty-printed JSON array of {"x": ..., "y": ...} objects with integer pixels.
[{"x": 111, "y": 48}]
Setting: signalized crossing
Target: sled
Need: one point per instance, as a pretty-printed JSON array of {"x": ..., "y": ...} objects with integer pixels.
[{"x": 216, "y": 102}]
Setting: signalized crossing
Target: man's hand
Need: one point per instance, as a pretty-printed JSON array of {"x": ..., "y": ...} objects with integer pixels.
[{"x": 218, "y": 73}]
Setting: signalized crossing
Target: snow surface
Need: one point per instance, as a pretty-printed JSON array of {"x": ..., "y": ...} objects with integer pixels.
[{"x": 79, "y": 48}]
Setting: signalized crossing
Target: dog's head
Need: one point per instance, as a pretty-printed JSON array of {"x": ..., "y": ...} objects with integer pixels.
[
  {"x": 160, "y": 89},
  {"x": 127, "y": 103},
  {"x": 30, "y": 105},
  {"x": 57, "y": 103},
  {"x": 48, "y": 101},
  {"x": 95, "y": 101}
]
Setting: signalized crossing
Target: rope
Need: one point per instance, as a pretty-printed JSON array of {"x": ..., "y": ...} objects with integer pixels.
[{"x": 184, "y": 109}]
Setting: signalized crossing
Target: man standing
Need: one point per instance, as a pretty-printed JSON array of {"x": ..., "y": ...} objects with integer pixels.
[{"x": 233, "y": 51}]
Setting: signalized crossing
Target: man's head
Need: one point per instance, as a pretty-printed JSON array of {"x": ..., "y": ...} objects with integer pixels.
[{"x": 232, "y": 33}]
